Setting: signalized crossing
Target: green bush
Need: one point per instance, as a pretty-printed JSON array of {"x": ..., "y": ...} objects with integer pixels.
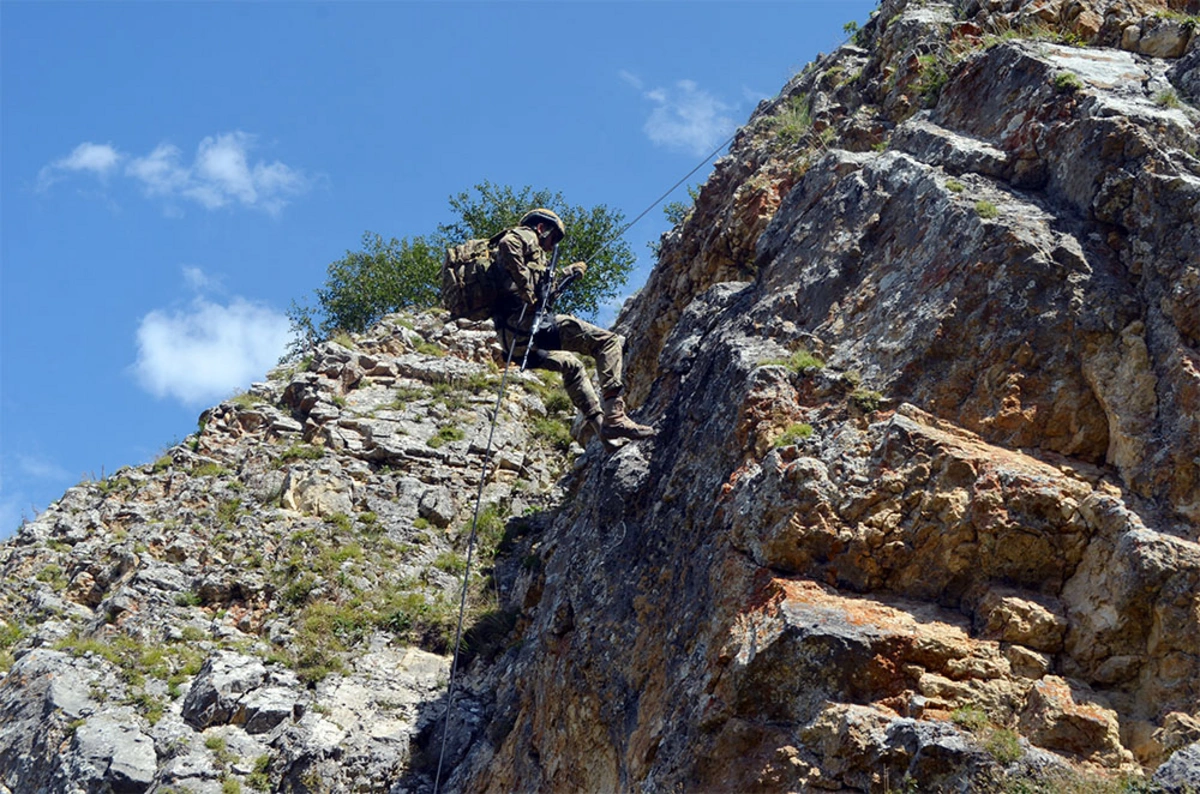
[{"x": 390, "y": 275}]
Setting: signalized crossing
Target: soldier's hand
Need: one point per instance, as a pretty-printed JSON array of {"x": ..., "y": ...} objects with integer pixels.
[{"x": 575, "y": 270}]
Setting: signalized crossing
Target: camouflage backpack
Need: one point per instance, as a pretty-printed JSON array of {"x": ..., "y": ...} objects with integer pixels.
[{"x": 469, "y": 287}]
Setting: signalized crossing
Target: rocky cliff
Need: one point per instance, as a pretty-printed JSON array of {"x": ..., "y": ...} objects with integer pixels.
[{"x": 922, "y": 514}]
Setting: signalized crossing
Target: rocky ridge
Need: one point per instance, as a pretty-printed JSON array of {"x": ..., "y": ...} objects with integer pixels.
[
  {"x": 268, "y": 606},
  {"x": 923, "y": 511}
]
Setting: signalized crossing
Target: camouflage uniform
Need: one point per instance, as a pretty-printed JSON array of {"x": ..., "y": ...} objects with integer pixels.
[{"x": 522, "y": 260}]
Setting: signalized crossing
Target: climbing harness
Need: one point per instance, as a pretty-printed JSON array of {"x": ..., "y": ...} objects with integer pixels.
[{"x": 546, "y": 294}]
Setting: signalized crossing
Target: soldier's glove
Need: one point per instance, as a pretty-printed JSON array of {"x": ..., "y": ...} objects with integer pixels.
[{"x": 575, "y": 270}]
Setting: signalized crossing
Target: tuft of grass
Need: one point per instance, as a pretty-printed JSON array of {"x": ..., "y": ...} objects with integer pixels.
[
  {"x": 299, "y": 452},
  {"x": 868, "y": 401},
  {"x": 558, "y": 403},
  {"x": 970, "y": 717},
  {"x": 800, "y": 361},
  {"x": 954, "y": 186},
  {"x": 553, "y": 432},
  {"x": 986, "y": 209},
  {"x": 1003, "y": 745},
  {"x": 426, "y": 348},
  {"x": 445, "y": 435},
  {"x": 794, "y": 434},
  {"x": 342, "y": 521},
  {"x": 451, "y": 562},
  {"x": 793, "y": 122},
  {"x": 114, "y": 485},
  {"x": 1067, "y": 83},
  {"x": 1168, "y": 99},
  {"x": 10, "y": 635},
  {"x": 210, "y": 470}
]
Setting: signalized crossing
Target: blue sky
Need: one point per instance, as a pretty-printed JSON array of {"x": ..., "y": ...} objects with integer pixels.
[{"x": 174, "y": 175}]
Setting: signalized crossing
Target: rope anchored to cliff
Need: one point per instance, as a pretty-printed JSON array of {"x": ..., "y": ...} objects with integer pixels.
[{"x": 548, "y": 292}]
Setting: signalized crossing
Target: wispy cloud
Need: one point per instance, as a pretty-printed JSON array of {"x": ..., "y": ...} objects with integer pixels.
[
  {"x": 684, "y": 116},
  {"x": 99, "y": 159},
  {"x": 208, "y": 350},
  {"x": 199, "y": 281},
  {"x": 222, "y": 173}
]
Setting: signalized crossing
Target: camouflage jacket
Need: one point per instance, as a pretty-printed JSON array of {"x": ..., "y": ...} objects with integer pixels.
[{"x": 523, "y": 261}]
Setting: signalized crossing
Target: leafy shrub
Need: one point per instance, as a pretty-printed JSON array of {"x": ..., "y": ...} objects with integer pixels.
[
  {"x": 931, "y": 79},
  {"x": 388, "y": 275}
]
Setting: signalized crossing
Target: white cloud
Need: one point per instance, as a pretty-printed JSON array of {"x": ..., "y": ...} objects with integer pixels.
[
  {"x": 207, "y": 351},
  {"x": 221, "y": 174},
  {"x": 631, "y": 78},
  {"x": 98, "y": 158},
  {"x": 159, "y": 172},
  {"x": 687, "y": 118}
]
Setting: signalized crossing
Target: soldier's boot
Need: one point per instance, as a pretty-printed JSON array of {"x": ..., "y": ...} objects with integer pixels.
[
  {"x": 617, "y": 424},
  {"x": 584, "y": 430}
]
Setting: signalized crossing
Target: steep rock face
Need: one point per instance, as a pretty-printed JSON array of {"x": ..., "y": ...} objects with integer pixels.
[{"x": 961, "y": 548}]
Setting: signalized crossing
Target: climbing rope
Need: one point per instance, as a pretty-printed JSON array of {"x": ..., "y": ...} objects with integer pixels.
[
  {"x": 545, "y": 304},
  {"x": 462, "y": 606}
]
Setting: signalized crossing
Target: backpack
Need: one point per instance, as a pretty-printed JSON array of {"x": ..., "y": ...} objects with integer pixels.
[{"x": 469, "y": 282}]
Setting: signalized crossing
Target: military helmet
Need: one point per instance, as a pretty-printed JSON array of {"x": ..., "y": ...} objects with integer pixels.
[{"x": 543, "y": 215}]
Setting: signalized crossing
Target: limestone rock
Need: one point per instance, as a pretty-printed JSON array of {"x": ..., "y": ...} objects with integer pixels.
[{"x": 923, "y": 510}]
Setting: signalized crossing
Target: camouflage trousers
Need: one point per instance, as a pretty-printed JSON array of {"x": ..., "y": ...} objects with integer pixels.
[{"x": 552, "y": 349}]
